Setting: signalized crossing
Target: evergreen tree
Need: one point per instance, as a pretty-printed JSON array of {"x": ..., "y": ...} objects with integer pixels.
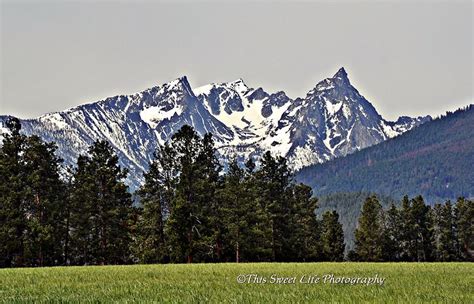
[
  {"x": 274, "y": 179},
  {"x": 193, "y": 212},
  {"x": 332, "y": 237},
  {"x": 184, "y": 225},
  {"x": 408, "y": 233},
  {"x": 240, "y": 214},
  {"x": 444, "y": 232},
  {"x": 464, "y": 218},
  {"x": 156, "y": 195},
  {"x": 422, "y": 229},
  {"x": 207, "y": 185},
  {"x": 306, "y": 229},
  {"x": 369, "y": 233},
  {"x": 101, "y": 208},
  {"x": 67, "y": 213},
  {"x": 31, "y": 197},
  {"x": 234, "y": 209},
  {"x": 257, "y": 246},
  {"x": 392, "y": 248},
  {"x": 12, "y": 196},
  {"x": 45, "y": 198}
]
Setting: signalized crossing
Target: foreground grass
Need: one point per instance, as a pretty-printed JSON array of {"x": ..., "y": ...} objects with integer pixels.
[{"x": 217, "y": 283}]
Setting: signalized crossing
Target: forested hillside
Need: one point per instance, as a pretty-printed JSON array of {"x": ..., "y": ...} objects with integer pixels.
[{"x": 435, "y": 160}]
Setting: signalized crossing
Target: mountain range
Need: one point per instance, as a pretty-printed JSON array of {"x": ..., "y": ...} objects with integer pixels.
[{"x": 331, "y": 121}]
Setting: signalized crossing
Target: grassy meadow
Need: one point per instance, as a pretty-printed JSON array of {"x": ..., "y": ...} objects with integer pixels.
[{"x": 217, "y": 283}]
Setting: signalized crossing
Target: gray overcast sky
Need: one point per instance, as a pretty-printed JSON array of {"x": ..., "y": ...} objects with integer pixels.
[{"x": 407, "y": 58}]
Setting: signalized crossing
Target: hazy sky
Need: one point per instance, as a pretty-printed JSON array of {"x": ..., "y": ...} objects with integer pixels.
[{"x": 406, "y": 58}]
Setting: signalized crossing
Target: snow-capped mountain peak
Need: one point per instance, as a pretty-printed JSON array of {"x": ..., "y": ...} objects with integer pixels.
[{"x": 332, "y": 120}]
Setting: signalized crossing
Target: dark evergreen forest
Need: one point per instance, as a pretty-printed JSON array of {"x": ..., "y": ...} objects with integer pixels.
[{"x": 192, "y": 211}]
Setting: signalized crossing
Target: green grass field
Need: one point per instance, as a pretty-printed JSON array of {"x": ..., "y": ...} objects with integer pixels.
[{"x": 217, "y": 283}]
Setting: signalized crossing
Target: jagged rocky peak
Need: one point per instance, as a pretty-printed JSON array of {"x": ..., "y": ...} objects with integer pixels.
[
  {"x": 339, "y": 81},
  {"x": 341, "y": 75},
  {"x": 180, "y": 83},
  {"x": 165, "y": 102},
  {"x": 334, "y": 120},
  {"x": 337, "y": 95}
]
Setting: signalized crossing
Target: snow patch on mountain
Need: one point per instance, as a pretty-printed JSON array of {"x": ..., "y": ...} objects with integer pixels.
[{"x": 153, "y": 115}]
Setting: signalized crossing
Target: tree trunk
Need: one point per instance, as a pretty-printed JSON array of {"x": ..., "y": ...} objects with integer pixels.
[
  {"x": 40, "y": 217},
  {"x": 219, "y": 250},
  {"x": 237, "y": 248},
  {"x": 273, "y": 242},
  {"x": 66, "y": 241},
  {"x": 190, "y": 241},
  {"x": 103, "y": 245},
  {"x": 237, "y": 253}
]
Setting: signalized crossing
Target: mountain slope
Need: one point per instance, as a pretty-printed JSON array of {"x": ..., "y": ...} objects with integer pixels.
[
  {"x": 435, "y": 160},
  {"x": 332, "y": 120}
]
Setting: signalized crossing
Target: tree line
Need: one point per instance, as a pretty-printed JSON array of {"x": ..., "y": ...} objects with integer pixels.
[
  {"x": 191, "y": 210},
  {"x": 415, "y": 231}
]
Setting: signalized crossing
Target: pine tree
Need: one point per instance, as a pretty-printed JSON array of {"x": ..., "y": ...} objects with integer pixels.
[
  {"x": 184, "y": 225},
  {"x": 156, "y": 195},
  {"x": 408, "y": 233},
  {"x": 101, "y": 208},
  {"x": 464, "y": 217},
  {"x": 257, "y": 246},
  {"x": 238, "y": 213},
  {"x": 332, "y": 237},
  {"x": 444, "y": 232},
  {"x": 12, "y": 196},
  {"x": 274, "y": 179},
  {"x": 422, "y": 230},
  {"x": 306, "y": 229},
  {"x": 369, "y": 233},
  {"x": 234, "y": 210},
  {"x": 66, "y": 216},
  {"x": 31, "y": 196},
  {"x": 45, "y": 204},
  {"x": 392, "y": 247},
  {"x": 207, "y": 185}
]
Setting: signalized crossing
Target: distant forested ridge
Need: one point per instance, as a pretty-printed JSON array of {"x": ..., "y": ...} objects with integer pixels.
[{"x": 435, "y": 160}]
